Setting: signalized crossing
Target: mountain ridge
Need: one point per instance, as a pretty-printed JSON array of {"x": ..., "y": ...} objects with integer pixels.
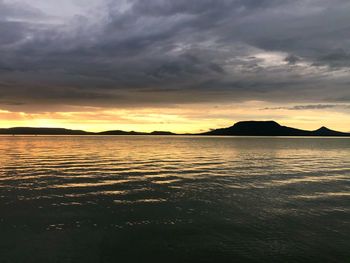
[
  {"x": 270, "y": 128},
  {"x": 242, "y": 128}
]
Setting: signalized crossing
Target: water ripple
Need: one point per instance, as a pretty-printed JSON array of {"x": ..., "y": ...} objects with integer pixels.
[{"x": 239, "y": 196}]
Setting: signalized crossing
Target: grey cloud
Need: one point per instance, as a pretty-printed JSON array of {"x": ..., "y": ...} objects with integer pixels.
[
  {"x": 336, "y": 58},
  {"x": 161, "y": 51},
  {"x": 292, "y": 59},
  {"x": 17, "y": 10},
  {"x": 309, "y": 107}
]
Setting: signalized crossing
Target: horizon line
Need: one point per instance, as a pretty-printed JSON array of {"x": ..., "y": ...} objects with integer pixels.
[{"x": 155, "y": 131}]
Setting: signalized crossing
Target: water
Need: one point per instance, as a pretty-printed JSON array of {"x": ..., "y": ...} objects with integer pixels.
[{"x": 174, "y": 199}]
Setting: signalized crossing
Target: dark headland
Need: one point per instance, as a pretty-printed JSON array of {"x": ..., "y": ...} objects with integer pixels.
[
  {"x": 270, "y": 128},
  {"x": 243, "y": 128}
]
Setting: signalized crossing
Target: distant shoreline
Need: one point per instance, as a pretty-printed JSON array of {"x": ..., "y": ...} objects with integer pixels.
[
  {"x": 178, "y": 135},
  {"x": 245, "y": 128}
]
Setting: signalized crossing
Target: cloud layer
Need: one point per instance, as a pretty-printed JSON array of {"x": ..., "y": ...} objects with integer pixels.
[{"x": 136, "y": 53}]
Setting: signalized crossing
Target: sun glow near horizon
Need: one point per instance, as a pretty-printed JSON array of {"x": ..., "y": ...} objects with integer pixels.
[{"x": 179, "y": 119}]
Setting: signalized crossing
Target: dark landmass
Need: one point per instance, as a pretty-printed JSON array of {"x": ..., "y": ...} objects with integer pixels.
[
  {"x": 118, "y": 132},
  {"x": 244, "y": 128},
  {"x": 270, "y": 128},
  {"x": 42, "y": 131},
  {"x": 61, "y": 131},
  {"x": 162, "y": 133}
]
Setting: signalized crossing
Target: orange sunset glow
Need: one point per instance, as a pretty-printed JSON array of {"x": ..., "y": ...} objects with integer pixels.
[{"x": 188, "y": 119}]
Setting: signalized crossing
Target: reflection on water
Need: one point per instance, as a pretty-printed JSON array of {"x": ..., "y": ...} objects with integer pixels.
[{"x": 174, "y": 199}]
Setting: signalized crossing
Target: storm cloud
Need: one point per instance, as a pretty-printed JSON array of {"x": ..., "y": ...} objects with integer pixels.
[{"x": 134, "y": 53}]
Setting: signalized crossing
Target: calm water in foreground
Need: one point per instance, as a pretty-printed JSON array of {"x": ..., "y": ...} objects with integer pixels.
[{"x": 174, "y": 199}]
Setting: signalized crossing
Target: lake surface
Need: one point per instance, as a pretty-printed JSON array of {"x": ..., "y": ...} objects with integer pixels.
[{"x": 174, "y": 199}]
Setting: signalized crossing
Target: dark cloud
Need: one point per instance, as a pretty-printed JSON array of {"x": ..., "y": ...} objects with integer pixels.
[
  {"x": 336, "y": 58},
  {"x": 310, "y": 107},
  {"x": 292, "y": 59},
  {"x": 136, "y": 53}
]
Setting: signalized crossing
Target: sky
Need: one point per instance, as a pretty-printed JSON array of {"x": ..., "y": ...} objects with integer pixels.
[{"x": 182, "y": 66}]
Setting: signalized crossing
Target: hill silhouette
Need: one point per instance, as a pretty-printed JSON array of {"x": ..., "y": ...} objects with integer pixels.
[
  {"x": 42, "y": 131},
  {"x": 62, "y": 131},
  {"x": 118, "y": 132},
  {"x": 270, "y": 128},
  {"x": 243, "y": 128}
]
